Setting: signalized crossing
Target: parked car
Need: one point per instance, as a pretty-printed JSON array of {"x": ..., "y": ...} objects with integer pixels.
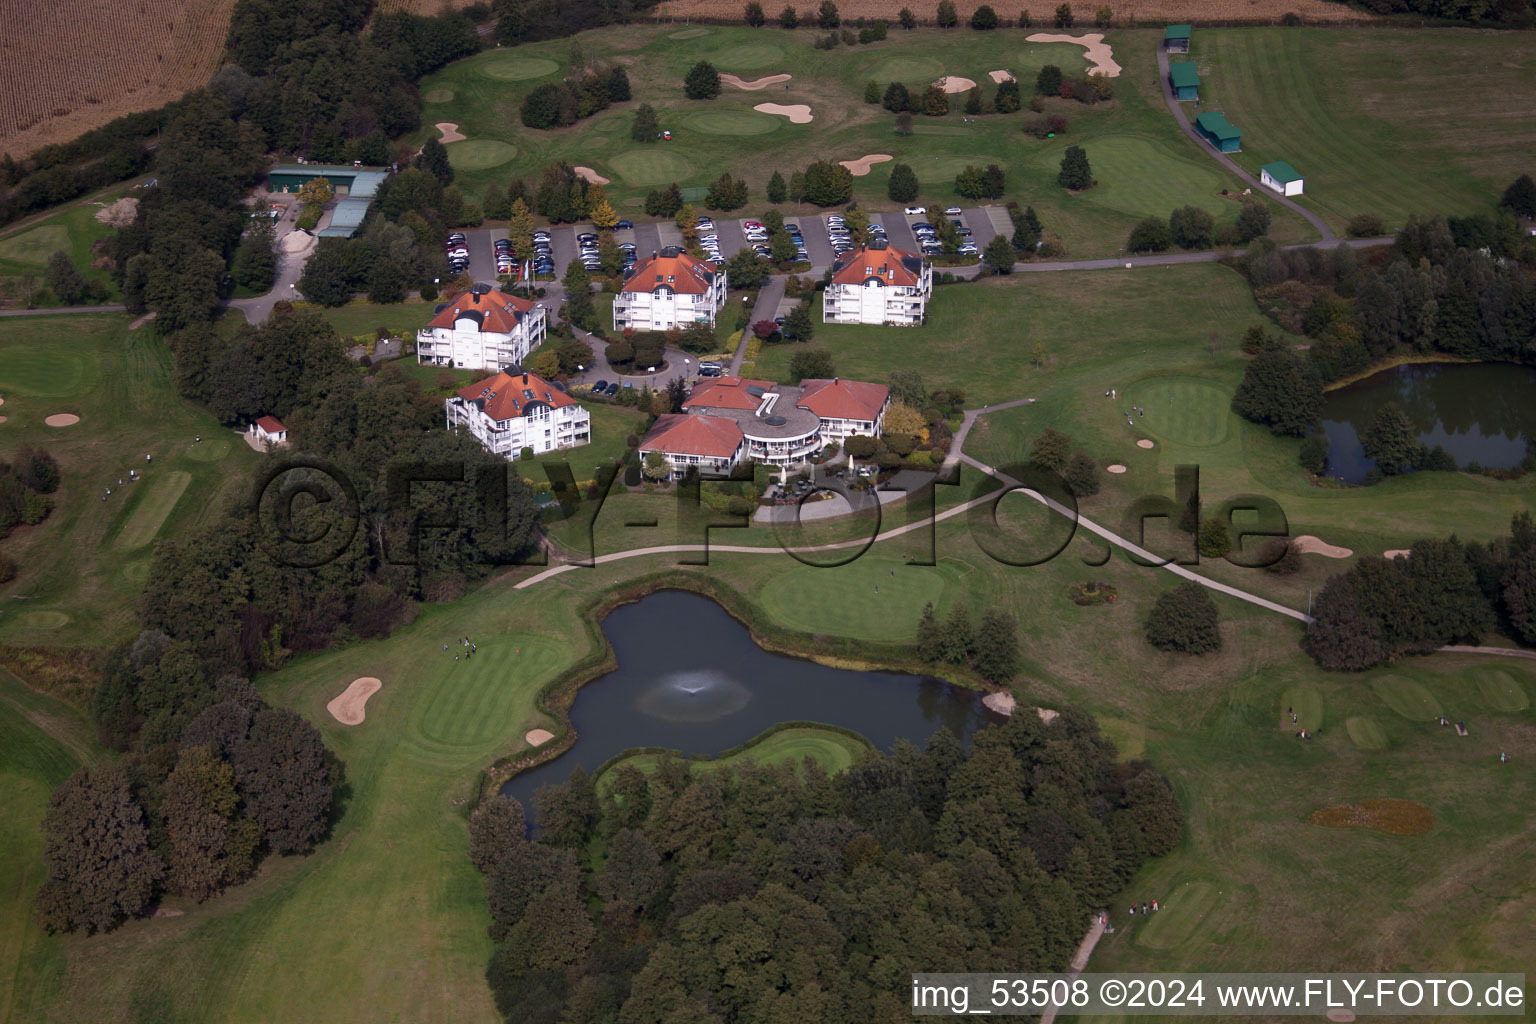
[
  {"x": 613, "y": 389},
  {"x": 952, "y": 211},
  {"x": 624, "y": 225},
  {"x": 916, "y": 211},
  {"x": 751, "y": 224},
  {"x": 541, "y": 236},
  {"x": 600, "y": 387}
]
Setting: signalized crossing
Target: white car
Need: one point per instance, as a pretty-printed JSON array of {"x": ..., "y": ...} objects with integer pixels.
[
  {"x": 953, "y": 211},
  {"x": 916, "y": 211}
]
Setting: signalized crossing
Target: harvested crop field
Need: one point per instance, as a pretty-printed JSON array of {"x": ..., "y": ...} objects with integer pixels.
[
  {"x": 74, "y": 66},
  {"x": 1148, "y": 12},
  {"x": 1392, "y": 816}
]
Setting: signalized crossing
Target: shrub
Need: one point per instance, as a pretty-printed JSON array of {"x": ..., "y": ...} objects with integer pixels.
[
  {"x": 788, "y": 18},
  {"x": 1048, "y": 81},
  {"x": 1064, "y": 16},
  {"x": 1104, "y": 17},
  {"x": 1314, "y": 453},
  {"x": 702, "y": 82},
  {"x": 1151, "y": 235},
  {"x": 1280, "y": 556},
  {"x": 1365, "y": 225},
  {"x": 754, "y": 14},
  {"x": 1214, "y": 538},
  {"x": 984, "y": 18},
  {"x": 1184, "y": 619}
]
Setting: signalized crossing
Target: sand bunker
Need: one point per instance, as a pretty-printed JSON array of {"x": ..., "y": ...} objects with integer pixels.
[
  {"x": 1144, "y": 443},
  {"x": 1395, "y": 552},
  {"x": 62, "y": 419},
  {"x": 1117, "y": 469},
  {"x": 861, "y": 166},
  {"x": 954, "y": 83},
  {"x": 4, "y": 418},
  {"x": 755, "y": 84},
  {"x": 1002, "y": 76},
  {"x": 1310, "y": 545},
  {"x": 798, "y": 113},
  {"x": 1340, "y": 1016},
  {"x": 348, "y": 707},
  {"x": 538, "y": 737},
  {"x": 1099, "y": 52},
  {"x": 591, "y": 175},
  {"x": 120, "y": 214},
  {"x": 450, "y": 132}
]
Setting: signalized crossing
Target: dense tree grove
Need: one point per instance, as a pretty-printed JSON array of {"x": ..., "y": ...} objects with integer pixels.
[
  {"x": 1515, "y": 13},
  {"x": 526, "y": 21},
  {"x": 1281, "y": 390},
  {"x": 776, "y": 892},
  {"x": 25, "y": 482},
  {"x": 1445, "y": 591},
  {"x": 1184, "y": 619}
]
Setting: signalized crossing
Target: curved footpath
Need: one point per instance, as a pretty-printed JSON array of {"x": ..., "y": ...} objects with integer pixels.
[{"x": 1328, "y": 237}]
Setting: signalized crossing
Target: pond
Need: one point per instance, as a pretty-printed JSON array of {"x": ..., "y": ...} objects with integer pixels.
[
  {"x": 690, "y": 678},
  {"x": 1478, "y": 412}
]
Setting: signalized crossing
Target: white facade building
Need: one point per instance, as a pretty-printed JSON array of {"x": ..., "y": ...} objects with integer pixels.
[
  {"x": 269, "y": 430},
  {"x": 878, "y": 285},
  {"x": 483, "y": 329},
  {"x": 669, "y": 289},
  {"x": 512, "y": 411}
]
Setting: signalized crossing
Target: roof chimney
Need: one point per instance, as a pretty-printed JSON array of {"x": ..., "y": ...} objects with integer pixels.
[{"x": 525, "y": 378}]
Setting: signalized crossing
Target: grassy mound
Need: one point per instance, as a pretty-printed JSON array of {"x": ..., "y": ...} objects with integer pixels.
[
  {"x": 1500, "y": 689},
  {"x": 1187, "y": 410},
  {"x": 844, "y": 603},
  {"x": 1408, "y": 698},
  {"x": 1366, "y": 733},
  {"x": 1393, "y": 816},
  {"x": 1307, "y": 703},
  {"x": 478, "y": 154},
  {"x": 653, "y": 166},
  {"x": 438, "y": 95},
  {"x": 1180, "y": 915},
  {"x": 512, "y": 67},
  {"x": 733, "y": 122},
  {"x": 748, "y": 57}
]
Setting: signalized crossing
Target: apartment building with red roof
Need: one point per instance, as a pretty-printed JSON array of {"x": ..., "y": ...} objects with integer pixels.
[
  {"x": 878, "y": 285},
  {"x": 482, "y": 329},
  {"x": 514, "y": 410},
  {"x": 669, "y": 289}
]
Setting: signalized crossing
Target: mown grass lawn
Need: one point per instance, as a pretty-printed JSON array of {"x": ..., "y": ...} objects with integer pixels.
[
  {"x": 1378, "y": 120},
  {"x": 833, "y": 749},
  {"x": 25, "y": 248},
  {"x": 1143, "y": 164}
]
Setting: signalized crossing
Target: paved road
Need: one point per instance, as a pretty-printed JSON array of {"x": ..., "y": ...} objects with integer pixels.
[
  {"x": 766, "y": 308},
  {"x": 1328, "y": 237}
]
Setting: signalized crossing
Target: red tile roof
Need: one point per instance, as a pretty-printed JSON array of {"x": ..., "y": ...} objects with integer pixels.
[
  {"x": 672, "y": 268},
  {"x": 496, "y": 311},
  {"x": 893, "y": 266},
  {"x": 271, "y": 424},
  {"x": 506, "y": 395},
  {"x": 843, "y": 399},
  {"x": 729, "y": 393},
  {"x": 682, "y": 434}
]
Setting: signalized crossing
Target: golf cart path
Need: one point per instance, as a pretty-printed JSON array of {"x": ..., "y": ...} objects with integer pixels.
[
  {"x": 1328, "y": 237},
  {"x": 1079, "y": 959}
]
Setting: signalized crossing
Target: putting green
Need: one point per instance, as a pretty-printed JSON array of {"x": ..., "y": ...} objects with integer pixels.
[
  {"x": 914, "y": 71},
  {"x": 136, "y": 570},
  {"x": 44, "y": 619},
  {"x": 1307, "y": 702},
  {"x": 1408, "y": 698},
  {"x": 158, "y": 497},
  {"x": 1500, "y": 689},
  {"x": 478, "y": 154},
  {"x": 749, "y": 56},
  {"x": 513, "y": 67},
  {"x": 209, "y": 451},
  {"x": 35, "y": 246},
  {"x": 438, "y": 96},
  {"x": 46, "y": 372},
  {"x": 689, "y": 33},
  {"x": 652, "y": 166},
  {"x": 1141, "y": 177},
  {"x": 1180, "y": 915},
  {"x": 1186, "y": 410},
  {"x": 734, "y": 122},
  {"x": 845, "y": 602},
  {"x": 1366, "y": 733},
  {"x": 473, "y": 701},
  {"x": 1130, "y": 738}
]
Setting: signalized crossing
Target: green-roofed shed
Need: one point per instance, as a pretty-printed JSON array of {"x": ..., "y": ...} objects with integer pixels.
[
  {"x": 1176, "y": 38},
  {"x": 1281, "y": 177},
  {"x": 1185, "y": 80},
  {"x": 1214, "y": 128}
]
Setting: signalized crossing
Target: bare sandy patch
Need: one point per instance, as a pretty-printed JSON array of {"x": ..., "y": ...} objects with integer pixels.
[
  {"x": 1145, "y": 443},
  {"x": 1115, "y": 468},
  {"x": 4, "y": 418},
  {"x": 1047, "y": 715},
  {"x": 861, "y": 166},
  {"x": 141, "y": 321},
  {"x": 538, "y": 737},
  {"x": 1100, "y": 53},
  {"x": 756, "y": 83},
  {"x": 298, "y": 241},
  {"x": 798, "y": 113},
  {"x": 1002, "y": 76},
  {"x": 450, "y": 132},
  {"x": 120, "y": 214},
  {"x": 1340, "y": 1016},
  {"x": 1394, "y": 553},
  {"x": 954, "y": 83},
  {"x": 347, "y": 708},
  {"x": 1310, "y": 545},
  {"x": 591, "y": 175},
  {"x": 62, "y": 419}
]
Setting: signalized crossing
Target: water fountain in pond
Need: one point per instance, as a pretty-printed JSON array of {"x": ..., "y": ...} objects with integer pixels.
[{"x": 694, "y": 696}]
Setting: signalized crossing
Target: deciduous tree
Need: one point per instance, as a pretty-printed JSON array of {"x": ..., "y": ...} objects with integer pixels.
[
  {"x": 1184, "y": 619},
  {"x": 702, "y": 82}
]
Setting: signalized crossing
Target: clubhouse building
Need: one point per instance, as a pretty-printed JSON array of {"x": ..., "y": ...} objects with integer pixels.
[
  {"x": 669, "y": 289},
  {"x": 483, "y": 329},
  {"x": 514, "y": 410},
  {"x": 733, "y": 420},
  {"x": 878, "y": 285}
]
